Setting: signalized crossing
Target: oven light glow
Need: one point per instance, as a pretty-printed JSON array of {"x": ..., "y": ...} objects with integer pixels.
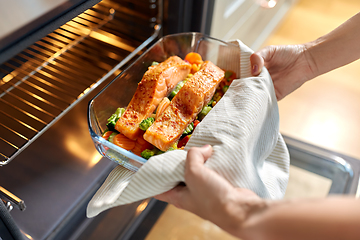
[
  {"x": 90, "y": 158},
  {"x": 111, "y": 39},
  {"x": 27, "y": 236},
  {"x": 112, "y": 55},
  {"x": 267, "y": 3},
  {"x": 141, "y": 207},
  {"x": 95, "y": 159},
  {"x": 117, "y": 72},
  {"x": 271, "y": 3},
  {"x": 7, "y": 78},
  {"x": 84, "y": 92}
]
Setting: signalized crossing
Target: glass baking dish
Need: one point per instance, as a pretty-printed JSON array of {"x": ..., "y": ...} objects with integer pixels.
[{"x": 119, "y": 92}]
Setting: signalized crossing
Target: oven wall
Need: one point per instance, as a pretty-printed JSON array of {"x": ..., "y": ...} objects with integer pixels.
[
  {"x": 188, "y": 16},
  {"x": 23, "y": 35}
]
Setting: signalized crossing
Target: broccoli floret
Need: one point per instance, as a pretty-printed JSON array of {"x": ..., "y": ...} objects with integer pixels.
[
  {"x": 210, "y": 103},
  {"x": 225, "y": 88},
  {"x": 147, "y": 153},
  {"x": 176, "y": 89},
  {"x": 114, "y": 118},
  {"x": 146, "y": 123},
  {"x": 170, "y": 149},
  {"x": 189, "y": 129},
  {"x": 228, "y": 74},
  {"x": 204, "y": 112},
  {"x": 173, "y": 147},
  {"x": 158, "y": 151},
  {"x": 111, "y": 137}
]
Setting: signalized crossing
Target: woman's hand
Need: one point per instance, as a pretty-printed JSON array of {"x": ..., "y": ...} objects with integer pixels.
[
  {"x": 209, "y": 195},
  {"x": 289, "y": 66}
]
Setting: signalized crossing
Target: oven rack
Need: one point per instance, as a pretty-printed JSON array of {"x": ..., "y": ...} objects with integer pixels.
[{"x": 43, "y": 82}]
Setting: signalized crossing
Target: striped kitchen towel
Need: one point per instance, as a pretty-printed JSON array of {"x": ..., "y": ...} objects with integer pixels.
[{"x": 243, "y": 129}]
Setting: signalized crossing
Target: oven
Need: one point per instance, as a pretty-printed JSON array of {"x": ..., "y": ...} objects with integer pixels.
[
  {"x": 52, "y": 63},
  {"x": 57, "y": 55}
]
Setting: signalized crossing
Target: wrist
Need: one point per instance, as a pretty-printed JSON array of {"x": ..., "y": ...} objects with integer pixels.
[
  {"x": 240, "y": 208},
  {"x": 312, "y": 69}
]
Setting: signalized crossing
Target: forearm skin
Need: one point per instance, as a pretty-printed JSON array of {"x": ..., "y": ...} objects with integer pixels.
[
  {"x": 329, "y": 218},
  {"x": 335, "y": 49}
]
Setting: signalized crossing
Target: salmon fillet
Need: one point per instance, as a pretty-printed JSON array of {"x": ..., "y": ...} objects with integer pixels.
[
  {"x": 157, "y": 82},
  {"x": 184, "y": 107}
]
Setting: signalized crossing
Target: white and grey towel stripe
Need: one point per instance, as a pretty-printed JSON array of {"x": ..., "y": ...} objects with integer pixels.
[{"x": 243, "y": 129}]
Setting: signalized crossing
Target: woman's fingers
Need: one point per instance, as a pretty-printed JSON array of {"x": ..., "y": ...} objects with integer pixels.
[
  {"x": 196, "y": 157},
  {"x": 180, "y": 195},
  {"x": 176, "y": 196},
  {"x": 195, "y": 172}
]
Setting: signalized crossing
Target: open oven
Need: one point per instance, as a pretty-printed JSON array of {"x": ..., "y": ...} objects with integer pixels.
[
  {"x": 52, "y": 62},
  {"x": 54, "y": 57},
  {"x": 50, "y": 66}
]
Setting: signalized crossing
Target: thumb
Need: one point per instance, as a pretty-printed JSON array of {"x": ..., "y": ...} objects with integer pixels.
[
  {"x": 257, "y": 63},
  {"x": 198, "y": 156}
]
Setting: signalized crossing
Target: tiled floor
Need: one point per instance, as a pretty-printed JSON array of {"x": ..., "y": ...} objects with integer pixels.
[{"x": 324, "y": 112}]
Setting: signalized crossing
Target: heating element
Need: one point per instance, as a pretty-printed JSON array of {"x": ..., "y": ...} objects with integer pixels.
[{"x": 43, "y": 82}]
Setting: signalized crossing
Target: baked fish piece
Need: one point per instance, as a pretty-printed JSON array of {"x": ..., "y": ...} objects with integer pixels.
[
  {"x": 184, "y": 107},
  {"x": 157, "y": 82}
]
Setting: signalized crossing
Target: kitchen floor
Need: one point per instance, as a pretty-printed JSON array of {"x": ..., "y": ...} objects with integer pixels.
[{"x": 324, "y": 112}]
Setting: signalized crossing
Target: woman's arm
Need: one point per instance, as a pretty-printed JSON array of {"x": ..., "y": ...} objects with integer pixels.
[
  {"x": 290, "y": 66},
  {"x": 327, "y": 218},
  {"x": 337, "y": 48},
  {"x": 243, "y": 214}
]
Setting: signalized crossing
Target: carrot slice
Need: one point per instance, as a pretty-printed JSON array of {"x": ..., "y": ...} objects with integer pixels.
[
  {"x": 193, "y": 57},
  {"x": 140, "y": 145},
  {"x": 124, "y": 142},
  {"x": 137, "y": 151},
  {"x": 162, "y": 105},
  {"x": 141, "y": 141},
  {"x": 107, "y": 134}
]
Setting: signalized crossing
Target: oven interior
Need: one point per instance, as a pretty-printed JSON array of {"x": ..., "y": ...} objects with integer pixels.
[
  {"x": 42, "y": 82},
  {"x": 44, "y": 91}
]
